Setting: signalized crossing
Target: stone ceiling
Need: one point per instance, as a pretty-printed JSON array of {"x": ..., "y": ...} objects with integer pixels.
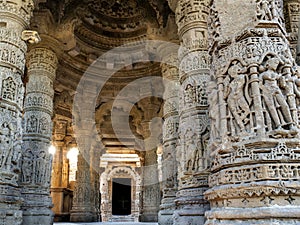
[{"x": 82, "y": 31}]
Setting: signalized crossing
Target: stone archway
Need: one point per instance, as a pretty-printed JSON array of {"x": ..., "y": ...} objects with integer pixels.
[{"x": 106, "y": 181}]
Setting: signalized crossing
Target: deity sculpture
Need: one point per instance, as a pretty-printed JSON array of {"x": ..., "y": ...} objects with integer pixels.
[
  {"x": 274, "y": 99},
  {"x": 235, "y": 95}
]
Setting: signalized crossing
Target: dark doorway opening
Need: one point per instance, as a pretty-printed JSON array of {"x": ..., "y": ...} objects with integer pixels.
[{"x": 121, "y": 196}]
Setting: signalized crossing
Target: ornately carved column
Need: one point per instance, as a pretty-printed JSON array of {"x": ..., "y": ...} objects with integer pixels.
[
  {"x": 36, "y": 160},
  {"x": 151, "y": 132},
  {"x": 14, "y": 18},
  {"x": 83, "y": 209},
  {"x": 191, "y": 18},
  {"x": 254, "y": 116},
  {"x": 170, "y": 136},
  {"x": 95, "y": 180}
]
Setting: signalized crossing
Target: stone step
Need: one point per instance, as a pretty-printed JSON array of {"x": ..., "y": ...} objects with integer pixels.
[{"x": 107, "y": 223}]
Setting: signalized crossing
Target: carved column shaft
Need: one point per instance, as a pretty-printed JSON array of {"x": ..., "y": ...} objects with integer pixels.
[
  {"x": 170, "y": 136},
  {"x": 151, "y": 191},
  {"x": 37, "y": 161},
  {"x": 151, "y": 134},
  {"x": 255, "y": 130},
  {"x": 83, "y": 209},
  {"x": 14, "y": 18},
  {"x": 95, "y": 180},
  {"x": 194, "y": 72}
]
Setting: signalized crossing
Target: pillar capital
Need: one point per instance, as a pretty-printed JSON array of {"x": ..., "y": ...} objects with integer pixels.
[
  {"x": 191, "y": 14},
  {"x": 38, "y": 109},
  {"x": 42, "y": 58}
]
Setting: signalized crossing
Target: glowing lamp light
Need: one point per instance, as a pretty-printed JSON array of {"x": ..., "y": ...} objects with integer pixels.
[
  {"x": 73, "y": 154},
  {"x": 52, "y": 150}
]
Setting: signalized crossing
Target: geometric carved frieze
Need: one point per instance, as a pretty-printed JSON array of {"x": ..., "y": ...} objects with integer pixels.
[
  {"x": 250, "y": 49},
  {"x": 39, "y": 101},
  {"x": 12, "y": 56},
  {"x": 256, "y": 173},
  {"x": 242, "y": 154},
  {"x": 42, "y": 59}
]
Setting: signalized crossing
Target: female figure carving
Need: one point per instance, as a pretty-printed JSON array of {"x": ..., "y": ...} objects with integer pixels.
[
  {"x": 273, "y": 97},
  {"x": 235, "y": 95}
]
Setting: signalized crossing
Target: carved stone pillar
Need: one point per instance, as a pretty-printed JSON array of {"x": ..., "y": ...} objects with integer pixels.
[
  {"x": 170, "y": 136},
  {"x": 14, "y": 18},
  {"x": 83, "y": 209},
  {"x": 191, "y": 18},
  {"x": 57, "y": 190},
  {"x": 95, "y": 180},
  {"x": 151, "y": 190},
  {"x": 254, "y": 126},
  {"x": 36, "y": 160},
  {"x": 151, "y": 187}
]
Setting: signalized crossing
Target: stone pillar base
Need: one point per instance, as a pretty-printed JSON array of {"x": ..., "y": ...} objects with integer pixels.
[
  {"x": 10, "y": 217},
  {"x": 190, "y": 207},
  {"x": 165, "y": 217},
  {"x": 279, "y": 215},
  {"x": 83, "y": 216},
  {"x": 38, "y": 217},
  {"x": 192, "y": 216},
  {"x": 149, "y": 217}
]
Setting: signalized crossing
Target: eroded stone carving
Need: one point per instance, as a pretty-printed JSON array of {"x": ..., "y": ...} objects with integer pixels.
[
  {"x": 15, "y": 16},
  {"x": 255, "y": 131},
  {"x": 191, "y": 151},
  {"x": 32, "y": 37},
  {"x": 37, "y": 160}
]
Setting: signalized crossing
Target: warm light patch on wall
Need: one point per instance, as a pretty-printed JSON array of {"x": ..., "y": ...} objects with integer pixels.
[
  {"x": 52, "y": 150},
  {"x": 72, "y": 155}
]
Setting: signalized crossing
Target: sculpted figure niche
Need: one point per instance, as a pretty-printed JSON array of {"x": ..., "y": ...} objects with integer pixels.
[
  {"x": 275, "y": 103},
  {"x": 232, "y": 100},
  {"x": 6, "y": 145},
  {"x": 269, "y": 10},
  {"x": 235, "y": 92},
  {"x": 195, "y": 148}
]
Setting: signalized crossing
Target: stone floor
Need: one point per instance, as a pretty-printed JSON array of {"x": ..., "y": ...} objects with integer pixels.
[{"x": 112, "y": 223}]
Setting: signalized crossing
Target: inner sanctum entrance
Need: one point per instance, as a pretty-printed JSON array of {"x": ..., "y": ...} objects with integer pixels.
[{"x": 121, "y": 196}]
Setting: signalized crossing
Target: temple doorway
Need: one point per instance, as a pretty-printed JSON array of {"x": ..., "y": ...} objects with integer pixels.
[
  {"x": 120, "y": 189},
  {"x": 121, "y": 196}
]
